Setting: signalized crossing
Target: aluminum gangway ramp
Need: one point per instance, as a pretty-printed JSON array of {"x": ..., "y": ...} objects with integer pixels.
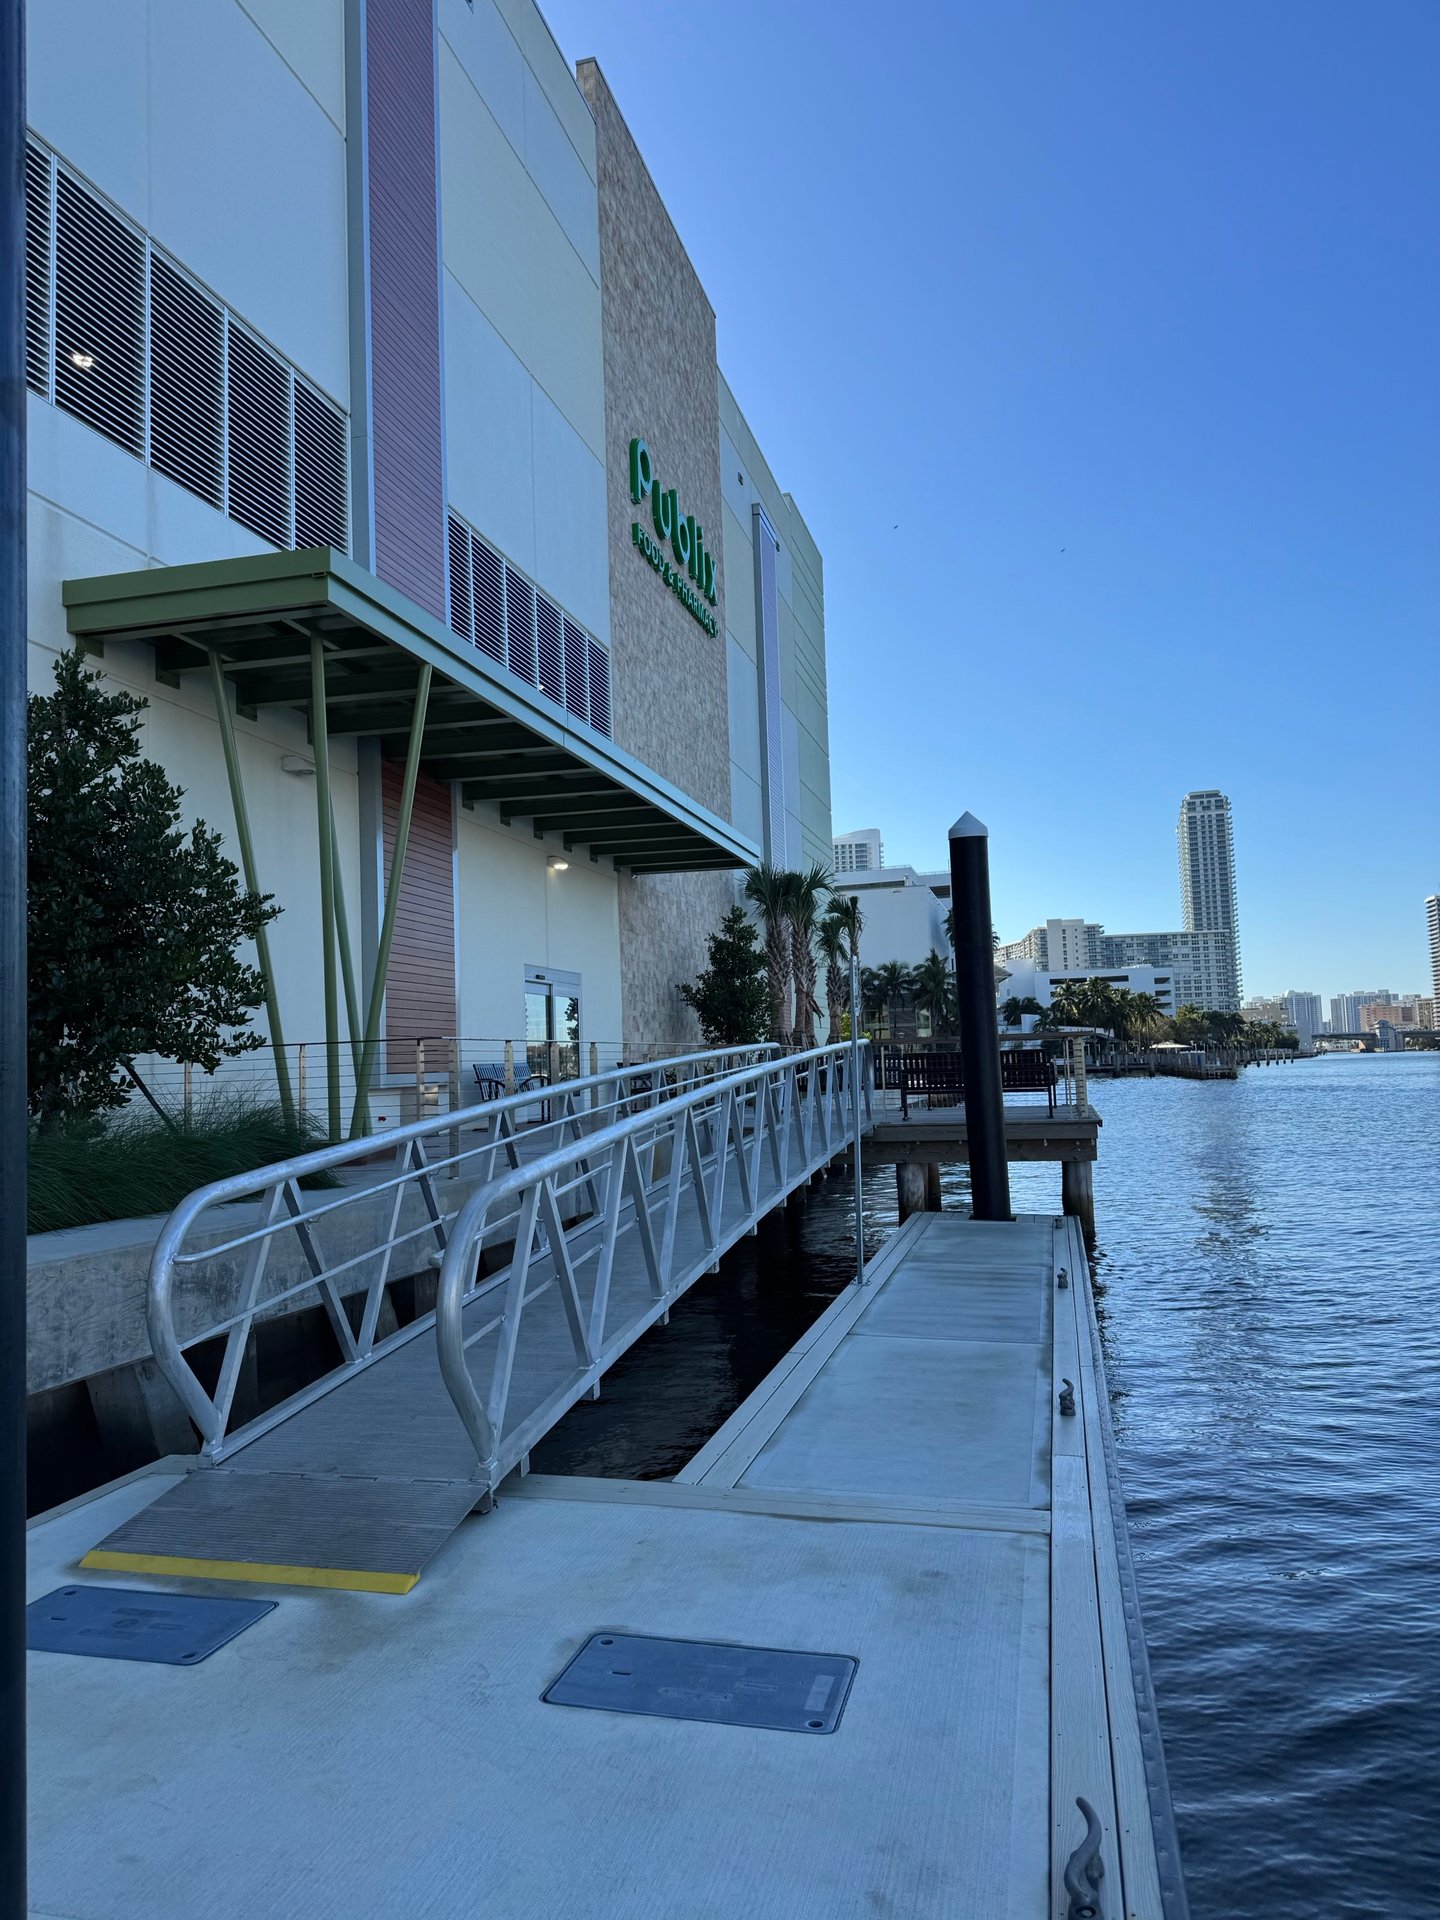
[{"x": 557, "y": 1245}]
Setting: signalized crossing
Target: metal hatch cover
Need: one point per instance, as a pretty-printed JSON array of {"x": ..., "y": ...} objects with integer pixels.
[
  {"x": 707, "y": 1680},
  {"x": 128, "y": 1623}
]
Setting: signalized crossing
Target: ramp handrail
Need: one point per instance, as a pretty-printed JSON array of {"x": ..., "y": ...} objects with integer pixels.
[
  {"x": 716, "y": 1157},
  {"x": 396, "y": 1204}
]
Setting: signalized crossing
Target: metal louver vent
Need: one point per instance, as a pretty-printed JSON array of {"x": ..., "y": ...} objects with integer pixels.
[
  {"x": 39, "y": 252},
  {"x": 577, "y": 698},
  {"x": 520, "y": 627},
  {"x": 259, "y": 439},
  {"x": 511, "y": 621},
  {"x": 122, "y": 338},
  {"x": 322, "y": 495},
  {"x": 489, "y": 602},
  {"x": 99, "y": 317},
  {"x": 551, "y": 649},
  {"x": 187, "y": 384},
  {"x": 599, "y": 688},
  {"x": 462, "y": 613}
]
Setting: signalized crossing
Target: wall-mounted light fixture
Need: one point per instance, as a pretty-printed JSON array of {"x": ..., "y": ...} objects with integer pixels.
[
  {"x": 297, "y": 764},
  {"x": 557, "y": 865}
]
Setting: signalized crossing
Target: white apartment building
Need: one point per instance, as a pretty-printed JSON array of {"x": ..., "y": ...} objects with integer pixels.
[
  {"x": 1303, "y": 1013},
  {"x": 904, "y": 914},
  {"x": 1206, "y": 839},
  {"x": 1028, "y": 980},
  {"x": 1432, "y": 923},
  {"x": 1059, "y": 944},
  {"x": 860, "y": 852},
  {"x": 1198, "y": 962}
]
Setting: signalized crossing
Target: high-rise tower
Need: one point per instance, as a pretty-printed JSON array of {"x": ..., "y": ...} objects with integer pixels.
[
  {"x": 1207, "y": 884},
  {"x": 1432, "y": 920}
]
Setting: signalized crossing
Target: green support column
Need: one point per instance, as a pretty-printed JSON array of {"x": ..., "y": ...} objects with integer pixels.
[
  {"x": 392, "y": 902},
  {"x": 247, "y": 865},
  {"x": 347, "y": 964},
  {"x": 320, "y": 737}
]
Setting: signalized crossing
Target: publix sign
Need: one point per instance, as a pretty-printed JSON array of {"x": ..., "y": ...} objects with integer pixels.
[{"x": 680, "y": 532}]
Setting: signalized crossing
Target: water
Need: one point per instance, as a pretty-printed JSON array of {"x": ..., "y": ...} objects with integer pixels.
[{"x": 1269, "y": 1285}]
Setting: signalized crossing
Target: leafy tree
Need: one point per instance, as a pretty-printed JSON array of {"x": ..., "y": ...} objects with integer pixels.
[
  {"x": 1191, "y": 1026},
  {"x": 768, "y": 889},
  {"x": 731, "y": 997},
  {"x": 133, "y": 922}
]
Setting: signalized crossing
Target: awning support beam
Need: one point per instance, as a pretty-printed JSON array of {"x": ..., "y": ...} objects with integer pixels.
[
  {"x": 226, "y": 721},
  {"x": 392, "y": 904},
  {"x": 319, "y": 735}
]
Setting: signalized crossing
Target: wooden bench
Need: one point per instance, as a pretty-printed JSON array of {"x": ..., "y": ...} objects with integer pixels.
[{"x": 937, "y": 1075}]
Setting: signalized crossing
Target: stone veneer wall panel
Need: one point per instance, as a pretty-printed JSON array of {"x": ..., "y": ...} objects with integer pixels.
[{"x": 671, "y": 707}]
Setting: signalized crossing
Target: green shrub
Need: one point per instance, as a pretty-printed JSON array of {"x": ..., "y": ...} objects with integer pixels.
[{"x": 127, "y": 1166}]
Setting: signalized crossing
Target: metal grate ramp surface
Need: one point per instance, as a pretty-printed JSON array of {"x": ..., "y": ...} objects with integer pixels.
[{"x": 366, "y": 1536}]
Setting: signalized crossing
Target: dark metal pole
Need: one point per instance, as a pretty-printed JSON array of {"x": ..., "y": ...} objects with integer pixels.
[
  {"x": 979, "y": 1028},
  {"x": 12, "y": 959}
]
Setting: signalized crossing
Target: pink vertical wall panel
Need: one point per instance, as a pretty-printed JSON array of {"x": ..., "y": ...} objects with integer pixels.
[{"x": 406, "y": 394}]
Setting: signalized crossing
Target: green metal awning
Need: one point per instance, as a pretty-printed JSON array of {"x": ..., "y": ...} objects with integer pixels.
[{"x": 504, "y": 742}]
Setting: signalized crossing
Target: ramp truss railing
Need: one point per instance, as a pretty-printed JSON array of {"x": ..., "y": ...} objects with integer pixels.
[
  {"x": 384, "y": 1214},
  {"x": 683, "y": 1181}
]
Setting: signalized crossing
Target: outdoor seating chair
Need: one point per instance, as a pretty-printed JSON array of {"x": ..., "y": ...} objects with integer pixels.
[{"x": 490, "y": 1079}]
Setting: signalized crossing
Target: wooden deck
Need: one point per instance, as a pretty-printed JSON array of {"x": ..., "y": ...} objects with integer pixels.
[
  {"x": 940, "y": 1133},
  {"x": 903, "y": 1489}
]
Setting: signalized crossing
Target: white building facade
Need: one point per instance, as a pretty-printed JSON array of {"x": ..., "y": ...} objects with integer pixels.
[
  {"x": 1029, "y": 980},
  {"x": 344, "y": 482},
  {"x": 1432, "y": 928},
  {"x": 904, "y": 914},
  {"x": 1304, "y": 1013},
  {"x": 858, "y": 852}
]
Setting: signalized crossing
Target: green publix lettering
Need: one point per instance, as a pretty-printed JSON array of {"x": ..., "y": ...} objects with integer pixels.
[{"x": 683, "y": 531}]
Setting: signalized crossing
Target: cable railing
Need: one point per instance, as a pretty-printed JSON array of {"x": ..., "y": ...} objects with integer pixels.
[
  {"x": 359, "y": 1230},
  {"x": 609, "y": 1229},
  {"x": 418, "y": 1077}
]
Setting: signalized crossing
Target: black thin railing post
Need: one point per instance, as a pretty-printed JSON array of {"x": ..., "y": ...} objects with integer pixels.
[
  {"x": 12, "y": 960},
  {"x": 979, "y": 1027}
]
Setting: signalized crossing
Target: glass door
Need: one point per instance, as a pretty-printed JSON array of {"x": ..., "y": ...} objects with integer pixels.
[{"x": 552, "y": 1024}]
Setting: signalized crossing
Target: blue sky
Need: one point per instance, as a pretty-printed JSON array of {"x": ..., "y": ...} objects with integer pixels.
[{"x": 1098, "y": 344}]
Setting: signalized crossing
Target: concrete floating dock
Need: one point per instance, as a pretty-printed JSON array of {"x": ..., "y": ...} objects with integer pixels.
[{"x": 903, "y": 1491}]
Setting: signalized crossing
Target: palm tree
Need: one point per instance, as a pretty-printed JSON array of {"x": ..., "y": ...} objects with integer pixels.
[
  {"x": 807, "y": 890},
  {"x": 1013, "y": 1010},
  {"x": 768, "y": 889},
  {"x": 872, "y": 997},
  {"x": 845, "y": 907},
  {"x": 892, "y": 984},
  {"x": 1145, "y": 1017},
  {"x": 933, "y": 987},
  {"x": 1068, "y": 1004},
  {"x": 835, "y": 952}
]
